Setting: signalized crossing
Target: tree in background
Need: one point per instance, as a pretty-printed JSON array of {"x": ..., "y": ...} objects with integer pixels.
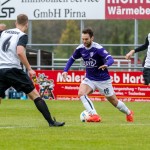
[
  {"x": 9, "y": 24},
  {"x": 70, "y": 35},
  {"x": 47, "y": 32}
]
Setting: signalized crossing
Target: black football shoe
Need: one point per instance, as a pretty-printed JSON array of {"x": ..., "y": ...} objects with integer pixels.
[{"x": 56, "y": 124}]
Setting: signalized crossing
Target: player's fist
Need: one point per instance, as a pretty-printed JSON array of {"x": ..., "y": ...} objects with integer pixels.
[
  {"x": 64, "y": 74},
  {"x": 128, "y": 56},
  {"x": 34, "y": 79}
]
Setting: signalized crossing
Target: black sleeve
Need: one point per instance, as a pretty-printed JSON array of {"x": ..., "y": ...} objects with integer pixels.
[
  {"x": 23, "y": 41},
  {"x": 143, "y": 47},
  {"x": 0, "y": 33}
]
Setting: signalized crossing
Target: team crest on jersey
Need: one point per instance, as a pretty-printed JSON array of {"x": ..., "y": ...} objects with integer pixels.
[{"x": 91, "y": 54}]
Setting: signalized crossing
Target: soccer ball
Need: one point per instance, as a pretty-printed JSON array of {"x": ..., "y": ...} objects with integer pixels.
[{"x": 84, "y": 116}]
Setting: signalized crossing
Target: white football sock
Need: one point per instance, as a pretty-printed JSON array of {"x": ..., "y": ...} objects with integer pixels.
[
  {"x": 123, "y": 108},
  {"x": 87, "y": 103}
]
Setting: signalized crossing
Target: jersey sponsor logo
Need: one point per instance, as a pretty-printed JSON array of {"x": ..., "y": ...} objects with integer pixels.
[
  {"x": 6, "y": 11},
  {"x": 12, "y": 32},
  {"x": 90, "y": 63}
]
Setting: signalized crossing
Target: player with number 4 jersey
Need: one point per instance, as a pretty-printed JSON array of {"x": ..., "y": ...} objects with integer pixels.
[{"x": 96, "y": 60}]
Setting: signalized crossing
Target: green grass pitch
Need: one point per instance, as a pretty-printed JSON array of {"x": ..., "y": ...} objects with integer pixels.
[{"x": 22, "y": 127}]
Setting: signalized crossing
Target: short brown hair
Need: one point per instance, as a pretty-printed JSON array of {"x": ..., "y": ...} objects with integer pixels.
[
  {"x": 88, "y": 31},
  {"x": 2, "y": 26},
  {"x": 22, "y": 19}
]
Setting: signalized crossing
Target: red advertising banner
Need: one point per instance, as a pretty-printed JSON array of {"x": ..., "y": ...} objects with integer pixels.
[
  {"x": 127, "y": 9},
  {"x": 128, "y": 86}
]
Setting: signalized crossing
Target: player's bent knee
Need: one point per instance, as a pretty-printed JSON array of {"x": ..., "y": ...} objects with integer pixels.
[
  {"x": 34, "y": 94},
  {"x": 81, "y": 94}
]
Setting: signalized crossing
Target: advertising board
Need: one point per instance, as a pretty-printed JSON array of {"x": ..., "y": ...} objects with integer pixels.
[
  {"x": 128, "y": 86},
  {"x": 75, "y": 9}
]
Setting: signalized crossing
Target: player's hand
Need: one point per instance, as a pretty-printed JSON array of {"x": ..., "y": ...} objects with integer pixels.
[
  {"x": 128, "y": 56},
  {"x": 32, "y": 73},
  {"x": 34, "y": 79},
  {"x": 103, "y": 67},
  {"x": 64, "y": 74}
]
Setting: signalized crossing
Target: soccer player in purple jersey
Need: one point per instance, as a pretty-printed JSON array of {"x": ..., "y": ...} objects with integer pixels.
[{"x": 96, "y": 60}]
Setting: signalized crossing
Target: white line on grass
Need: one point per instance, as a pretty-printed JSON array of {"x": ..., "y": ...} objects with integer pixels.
[
  {"x": 102, "y": 124},
  {"x": 12, "y": 127},
  {"x": 132, "y": 124},
  {"x": 127, "y": 124}
]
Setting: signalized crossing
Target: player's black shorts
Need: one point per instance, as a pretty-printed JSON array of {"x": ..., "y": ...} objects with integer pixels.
[
  {"x": 146, "y": 76},
  {"x": 16, "y": 78}
]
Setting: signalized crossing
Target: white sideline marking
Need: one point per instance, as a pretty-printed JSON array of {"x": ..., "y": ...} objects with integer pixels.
[
  {"x": 69, "y": 125},
  {"x": 132, "y": 124},
  {"x": 13, "y": 127},
  {"x": 102, "y": 124}
]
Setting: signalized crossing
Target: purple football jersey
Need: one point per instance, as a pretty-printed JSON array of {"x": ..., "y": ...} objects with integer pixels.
[{"x": 93, "y": 57}]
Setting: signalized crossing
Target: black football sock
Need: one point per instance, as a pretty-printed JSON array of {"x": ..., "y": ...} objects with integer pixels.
[{"x": 42, "y": 107}]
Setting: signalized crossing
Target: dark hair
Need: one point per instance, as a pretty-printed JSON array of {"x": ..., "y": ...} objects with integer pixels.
[
  {"x": 88, "y": 31},
  {"x": 22, "y": 19}
]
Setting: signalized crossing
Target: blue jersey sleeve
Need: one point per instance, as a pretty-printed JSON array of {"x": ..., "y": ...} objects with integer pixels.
[
  {"x": 108, "y": 58},
  {"x": 76, "y": 55},
  {"x": 69, "y": 64}
]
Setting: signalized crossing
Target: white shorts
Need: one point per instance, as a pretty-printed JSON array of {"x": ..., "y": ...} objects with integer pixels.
[{"x": 104, "y": 87}]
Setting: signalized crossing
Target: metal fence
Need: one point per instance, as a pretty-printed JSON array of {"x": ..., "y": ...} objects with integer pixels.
[
  {"x": 58, "y": 63},
  {"x": 119, "y": 65}
]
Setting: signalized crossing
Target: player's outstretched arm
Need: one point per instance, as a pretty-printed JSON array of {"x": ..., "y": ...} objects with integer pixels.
[
  {"x": 68, "y": 65},
  {"x": 128, "y": 55}
]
